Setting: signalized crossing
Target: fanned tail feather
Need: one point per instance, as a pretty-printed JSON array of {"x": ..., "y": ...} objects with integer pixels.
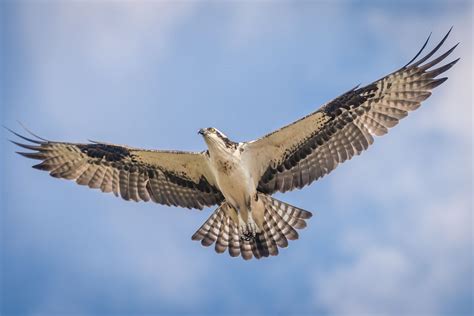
[{"x": 279, "y": 225}]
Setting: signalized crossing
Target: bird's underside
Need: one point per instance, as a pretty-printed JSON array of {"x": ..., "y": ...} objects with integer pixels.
[{"x": 241, "y": 177}]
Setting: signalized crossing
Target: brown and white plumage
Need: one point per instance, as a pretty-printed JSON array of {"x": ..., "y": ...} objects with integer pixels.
[
  {"x": 240, "y": 177},
  {"x": 280, "y": 222},
  {"x": 306, "y": 150},
  {"x": 166, "y": 177}
]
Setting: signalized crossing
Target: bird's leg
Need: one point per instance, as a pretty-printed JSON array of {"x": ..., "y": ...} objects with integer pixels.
[
  {"x": 247, "y": 233},
  {"x": 252, "y": 226},
  {"x": 249, "y": 230},
  {"x": 242, "y": 225}
]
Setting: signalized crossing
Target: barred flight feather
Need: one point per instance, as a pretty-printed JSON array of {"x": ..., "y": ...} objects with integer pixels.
[
  {"x": 315, "y": 145},
  {"x": 134, "y": 174},
  {"x": 280, "y": 221}
]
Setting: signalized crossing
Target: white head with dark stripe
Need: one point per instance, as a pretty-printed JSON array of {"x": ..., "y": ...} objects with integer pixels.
[{"x": 216, "y": 138}]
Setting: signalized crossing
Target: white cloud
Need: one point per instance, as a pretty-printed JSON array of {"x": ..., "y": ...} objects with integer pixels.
[
  {"x": 111, "y": 37},
  {"x": 411, "y": 259},
  {"x": 68, "y": 45},
  {"x": 414, "y": 266},
  {"x": 415, "y": 257},
  {"x": 124, "y": 253},
  {"x": 452, "y": 113},
  {"x": 252, "y": 21},
  {"x": 369, "y": 285},
  {"x": 113, "y": 41}
]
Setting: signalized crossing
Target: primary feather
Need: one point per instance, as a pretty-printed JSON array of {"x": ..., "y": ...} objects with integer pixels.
[{"x": 308, "y": 149}]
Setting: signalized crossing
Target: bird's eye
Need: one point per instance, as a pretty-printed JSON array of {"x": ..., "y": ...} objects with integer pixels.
[{"x": 213, "y": 130}]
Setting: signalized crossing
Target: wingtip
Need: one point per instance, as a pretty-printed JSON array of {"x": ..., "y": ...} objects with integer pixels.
[
  {"x": 456, "y": 45},
  {"x": 437, "y": 82},
  {"x": 8, "y": 129},
  {"x": 436, "y": 72},
  {"x": 447, "y": 34},
  {"x": 38, "y": 156},
  {"x": 439, "y": 59},
  {"x": 429, "y": 36},
  {"x": 94, "y": 141},
  {"x": 454, "y": 62},
  {"x": 23, "y": 137},
  {"x": 26, "y": 146},
  {"x": 419, "y": 52},
  {"x": 31, "y": 133},
  {"x": 431, "y": 53}
]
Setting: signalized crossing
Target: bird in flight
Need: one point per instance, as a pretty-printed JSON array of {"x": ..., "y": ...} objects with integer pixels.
[{"x": 240, "y": 177}]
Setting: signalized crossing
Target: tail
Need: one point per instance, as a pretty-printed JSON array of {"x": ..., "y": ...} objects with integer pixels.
[{"x": 279, "y": 222}]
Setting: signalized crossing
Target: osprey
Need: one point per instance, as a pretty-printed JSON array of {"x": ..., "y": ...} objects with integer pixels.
[{"x": 240, "y": 177}]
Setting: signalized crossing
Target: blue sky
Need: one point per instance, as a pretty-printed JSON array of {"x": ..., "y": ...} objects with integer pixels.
[{"x": 392, "y": 231}]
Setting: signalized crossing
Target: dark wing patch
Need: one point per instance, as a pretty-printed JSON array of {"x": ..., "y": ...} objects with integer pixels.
[
  {"x": 351, "y": 120},
  {"x": 165, "y": 177},
  {"x": 103, "y": 151}
]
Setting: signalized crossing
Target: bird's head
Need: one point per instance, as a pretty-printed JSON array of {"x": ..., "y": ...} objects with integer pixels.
[
  {"x": 211, "y": 132},
  {"x": 213, "y": 136}
]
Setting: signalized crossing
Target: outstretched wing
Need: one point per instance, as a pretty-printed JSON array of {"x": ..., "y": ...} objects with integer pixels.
[
  {"x": 313, "y": 146},
  {"x": 165, "y": 177}
]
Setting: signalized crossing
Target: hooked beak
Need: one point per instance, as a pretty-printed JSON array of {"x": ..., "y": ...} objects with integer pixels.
[{"x": 201, "y": 132}]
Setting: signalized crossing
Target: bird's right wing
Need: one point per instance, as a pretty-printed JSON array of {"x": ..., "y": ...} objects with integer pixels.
[
  {"x": 166, "y": 177},
  {"x": 308, "y": 149}
]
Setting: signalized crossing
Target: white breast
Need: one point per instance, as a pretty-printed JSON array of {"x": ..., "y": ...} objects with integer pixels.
[{"x": 232, "y": 176}]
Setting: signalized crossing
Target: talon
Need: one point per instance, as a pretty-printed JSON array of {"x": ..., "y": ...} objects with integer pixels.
[
  {"x": 248, "y": 231},
  {"x": 247, "y": 236}
]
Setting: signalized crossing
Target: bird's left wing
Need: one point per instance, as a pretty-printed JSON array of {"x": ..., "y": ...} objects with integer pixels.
[
  {"x": 166, "y": 177},
  {"x": 308, "y": 149}
]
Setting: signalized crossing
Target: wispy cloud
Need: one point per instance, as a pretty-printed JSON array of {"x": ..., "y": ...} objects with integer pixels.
[
  {"x": 415, "y": 260},
  {"x": 392, "y": 231}
]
